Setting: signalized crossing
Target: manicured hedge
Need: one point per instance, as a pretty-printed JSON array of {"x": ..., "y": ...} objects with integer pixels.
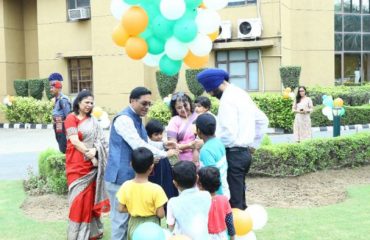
[
  {"x": 191, "y": 80},
  {"x": 21, "y": 87},
  {"x": 36, "y": 87},
  {"x": 294, "y": 159},
  {"x": 354, "y": 115},
  {"x": 352, "y": 96},
  {"x": 166, "y": 84}
]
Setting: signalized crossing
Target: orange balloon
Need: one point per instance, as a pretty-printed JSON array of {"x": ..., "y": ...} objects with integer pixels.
[
  {"x": 242, "y": 222},
  {"x": 338, "y": 102},
  {"x": 120, "y": 36},
  {"x": 135, "y": 20},
  {"x": 136, "y": 48},
  {"x": 179, "y": 237},
  {"x": 214, "y": 35},
  {"x": 193, "y": 61},
  {"x": 202, "y": 6}
]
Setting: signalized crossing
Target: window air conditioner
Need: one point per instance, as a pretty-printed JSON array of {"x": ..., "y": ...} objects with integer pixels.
[
  {"x": 79, "y": 14},
  {"x": 224, "y": 31},
  {"x": 249, "y": 28}
]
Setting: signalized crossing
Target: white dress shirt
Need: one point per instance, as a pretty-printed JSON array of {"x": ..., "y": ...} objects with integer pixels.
[
  {"x": 240, "y": 122},
  {"x": 125, "y": 127}
]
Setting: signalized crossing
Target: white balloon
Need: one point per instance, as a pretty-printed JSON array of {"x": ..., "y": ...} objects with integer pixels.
[
  {"x": 167, "y": 234},
  {"x": 215, "y": 4},
  {"x": 201, "y": 45},
  {"x": 250, "y": 236},
  {"x": 172, "y": 9},
  {"x": 175, "y": 49},
  {"x": 208, "y": 21},
  {"x": 104, "y": 115},
  {"x": 152, "y": 60},
  {"x": 104, "y": 122},
  {"x": 118, "y": 8},
  {"x": 327, "y": 111},
  {"x": 292, "y": 95},
  {"x": 330, "y": 117},
  {"x": 258, "y": 215}
]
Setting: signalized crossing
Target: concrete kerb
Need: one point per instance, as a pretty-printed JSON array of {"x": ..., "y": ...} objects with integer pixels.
[{"x": 269, "y": 130}]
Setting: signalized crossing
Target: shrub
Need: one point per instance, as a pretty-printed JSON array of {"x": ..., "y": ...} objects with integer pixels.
[
  {"x": 277, "y": 109},
  {"x": 290, "y": 76},
  {"x": 44, "y": 166},
  {"x": 166, "y": 84},
  {"x": 352, "y": 96},
  {"x": 266, "y": 140},
  {"x": 191, "y": 80},
  {"x": 29, "y": 110},
  {"x": 35, "y": 185},
  {"x": 160, "y": 111},
  {"x": 312, "y": 155},
  {"x": 353, "y": 115},
  {"x": 36, "y": 87},
  {"x": 21, "y": 87},
  {"x": 56, "y": 175},
  {"x": 215, "y": 103},
  {"x": 47, "y": 88}
]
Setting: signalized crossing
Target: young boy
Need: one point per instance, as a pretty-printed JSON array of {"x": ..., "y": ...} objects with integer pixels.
[
  {"x": 202, "y": 105},
  {"x": 142, "y": 199},
  {"x": 187, "y": 214},
  {"x": 220, "y": 217},
  {"x": 213, "y": 151},
  {"x": 162, "y": 172}
]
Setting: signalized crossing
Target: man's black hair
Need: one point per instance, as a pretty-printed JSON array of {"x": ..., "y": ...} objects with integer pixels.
[
  {"x": 142, "y": 159},
  {"x": 137, "y": 92},
  {"x": 210, "y": 179},
  {"x": 203, "y": 101},
  {"x": 206, "y": 124},
  {"x": 185, "y": 174},
  {"x": 154, "y": 126}
]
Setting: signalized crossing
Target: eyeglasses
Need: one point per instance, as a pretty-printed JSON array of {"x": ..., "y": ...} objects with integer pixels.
[
  {"x": 301, "y": 90},
  {"x": 177, "y": 95},
  {"x": 145, "y": 103}
]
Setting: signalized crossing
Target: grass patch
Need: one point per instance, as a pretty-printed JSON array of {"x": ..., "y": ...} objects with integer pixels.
[
  {"x": 347, "y": 220},
  {"x": 15, "y": 225}
]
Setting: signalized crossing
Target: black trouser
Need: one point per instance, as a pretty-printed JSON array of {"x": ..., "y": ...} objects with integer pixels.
[
  {"x": 239, "y": 161},
  {"x": 61, "y": 139}
]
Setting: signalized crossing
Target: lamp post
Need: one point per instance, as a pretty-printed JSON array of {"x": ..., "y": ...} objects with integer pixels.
[{"x": 336, "y": 121}]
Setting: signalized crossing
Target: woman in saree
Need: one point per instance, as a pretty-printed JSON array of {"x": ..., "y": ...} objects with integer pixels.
[
  {"x": 180, "y": 128},
  {"x": 86, "y": 157}
]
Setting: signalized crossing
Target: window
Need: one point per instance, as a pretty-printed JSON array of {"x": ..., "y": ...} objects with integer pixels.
[
  {"x": 242, "y": 66},
  {"x": 78, "y": 3},
  {"x": 241, "y": 2},
  {"x": 80, "y": 74}
]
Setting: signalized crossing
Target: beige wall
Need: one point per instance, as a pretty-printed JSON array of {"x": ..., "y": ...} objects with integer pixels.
[
  {"x": 308, "y": 40},
  {"x": 30, "y": 38}
]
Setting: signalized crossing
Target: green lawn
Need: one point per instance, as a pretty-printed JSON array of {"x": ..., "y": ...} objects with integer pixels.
[{"x": 347, "y": 220}]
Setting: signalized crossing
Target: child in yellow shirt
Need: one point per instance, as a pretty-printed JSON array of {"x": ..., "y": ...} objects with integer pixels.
[{"x": 143, "y": 200}]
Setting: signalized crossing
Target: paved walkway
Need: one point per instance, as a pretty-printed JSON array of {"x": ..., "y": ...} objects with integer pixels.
[{"x": 19, "y": 148}]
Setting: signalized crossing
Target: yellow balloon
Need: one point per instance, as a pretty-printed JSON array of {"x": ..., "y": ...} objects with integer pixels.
[
  {"x": 120, "y": 36},
  {"x": 214, "y": 35},
  {"x": 286, "y": 95},
  {"x": 338, "y": 102},
  {"x": 288, "y": 89},
  {"x": 97, "y": 112},
  {"x": 242, "y": 222}
]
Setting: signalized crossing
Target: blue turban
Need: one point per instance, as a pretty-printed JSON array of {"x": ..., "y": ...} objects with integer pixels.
[
  {"x": 211, "y": 78},
  {"x": 55, "y": 77}
]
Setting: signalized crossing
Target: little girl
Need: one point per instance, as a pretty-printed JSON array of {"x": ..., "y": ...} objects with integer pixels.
[{"x": 220, "y": 217}]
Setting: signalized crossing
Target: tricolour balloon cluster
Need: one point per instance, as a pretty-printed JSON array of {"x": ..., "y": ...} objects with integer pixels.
[
  {"x": 166, "y": 33},
  {"x": 287, "y": 93},
  {"x": 329, "y": 104}
]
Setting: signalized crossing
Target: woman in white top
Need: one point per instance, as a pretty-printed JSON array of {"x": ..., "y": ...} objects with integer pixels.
[{"x": 302, "y": 108}]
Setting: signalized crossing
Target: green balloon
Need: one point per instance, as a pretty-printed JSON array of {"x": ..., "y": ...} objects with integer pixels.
[
  {"x": 168, "y": 66},
  {"x": 190, "y": 13},
  {"x": 185, "y": 30},
  {"x": 147, "y": 33},
  {"x": 162, "y": 28},
  {"x": 132, "y": 2},
  {"x": 192, "y": 3},
  {"x": 151, "y": 10},
  {"x": 155, "y": 45}
]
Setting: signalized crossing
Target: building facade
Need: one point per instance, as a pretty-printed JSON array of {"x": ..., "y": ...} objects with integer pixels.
[{"x": 37, "y": 38}]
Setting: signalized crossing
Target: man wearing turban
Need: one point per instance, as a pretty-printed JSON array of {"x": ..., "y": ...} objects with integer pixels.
[
  {"x": 241, "y": 126},
  {"x": 61, "y": 109}
]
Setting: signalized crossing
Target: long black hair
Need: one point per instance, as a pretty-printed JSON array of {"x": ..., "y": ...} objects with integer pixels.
[
  {"x": 81, "y": 96},
  {"x": 298, "y": 97},
  {"x": 181, "y": 97}
]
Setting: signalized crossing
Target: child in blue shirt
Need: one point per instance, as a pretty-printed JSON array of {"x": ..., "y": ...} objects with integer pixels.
[{"x": 213, "y": 151}]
